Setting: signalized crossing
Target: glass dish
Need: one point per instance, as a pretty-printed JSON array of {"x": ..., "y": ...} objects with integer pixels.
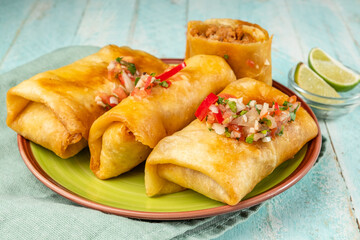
[{"x": 327, "y": 107}]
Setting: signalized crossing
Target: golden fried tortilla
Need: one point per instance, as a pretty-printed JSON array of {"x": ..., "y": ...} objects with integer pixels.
[
  {"x": 57, "y": 108},
  {"x": 222, "y": 168}
]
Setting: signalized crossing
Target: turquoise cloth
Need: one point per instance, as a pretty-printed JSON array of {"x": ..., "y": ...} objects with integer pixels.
[{"x": 30, "y": 210}]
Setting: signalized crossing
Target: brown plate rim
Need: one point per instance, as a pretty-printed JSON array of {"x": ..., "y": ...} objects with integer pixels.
[{"x": 311, "y": 155}]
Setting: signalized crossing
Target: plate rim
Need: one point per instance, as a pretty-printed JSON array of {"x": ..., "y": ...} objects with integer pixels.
[{"x": 311, "y": 156}]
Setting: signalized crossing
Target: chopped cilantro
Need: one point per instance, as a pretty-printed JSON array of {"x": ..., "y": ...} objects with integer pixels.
[
  {"x": 250, "y": 139},
  {"x": 281, "y": 132},
  {"x": 235, "y": 116},
  {"x": 283, "y": 108},
  {"x": 296, "y": 108},
  {"x": 132, "y": 69},
  {"x": 243, "y": 112},
  {"x": 226, "y": 56},
  {"x": 137, "y": 80},
  {"x": 152, "y": 74},
  {"x": 258, "y": 110},
  {"x": 292, "y": 116},
  {"x": 264, "y": 132},
  {"x": 119, "y": 59},
  {"x": 210, "y": 129},
  {"x": 164, "y": 84},
  {"x": 220, "y": 100},
  {"x": 227, "y": 133},
  {"x": 232, "y": 106}
]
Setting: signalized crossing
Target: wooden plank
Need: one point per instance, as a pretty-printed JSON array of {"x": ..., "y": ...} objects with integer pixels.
[
  {"x": 50, "y": 25},
  {"x": 317, "y": 207},
  {"x": 160, "y": 28},
  {"x": 105, "y": 22},
  {"x": 338, "y": 41},
  {"x": 347, "y": 143},
  {"x": 11, "y": 23}
]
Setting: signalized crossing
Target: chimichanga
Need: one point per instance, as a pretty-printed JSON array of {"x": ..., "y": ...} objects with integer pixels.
[
  {"x": 124, "y": 136},
  {"x": 56, "y": 108},
  {"x": 245, "y": 46},
  {"x": 246, "y": 132}
]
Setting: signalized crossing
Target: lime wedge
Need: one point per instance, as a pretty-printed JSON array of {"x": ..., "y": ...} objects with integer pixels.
[
  {"x": 308, "y": 80},
  {"x": 332, "y": 71}
]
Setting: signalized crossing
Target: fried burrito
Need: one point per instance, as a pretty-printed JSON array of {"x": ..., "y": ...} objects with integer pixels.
[
  {"x": 240, "y": 137},
  {"x": 245, "y": 46},
  {"x": 159, "y": 106},
  {"x": 57, "y": 108}
]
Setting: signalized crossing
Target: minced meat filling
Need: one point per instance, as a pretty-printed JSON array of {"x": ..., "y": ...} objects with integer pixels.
[{"x": 224, "y": 34}]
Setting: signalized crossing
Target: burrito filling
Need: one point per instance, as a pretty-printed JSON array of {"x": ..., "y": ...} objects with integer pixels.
[
  {"x": 229, "y": 116},
  {"x": 224, "y": 33}
]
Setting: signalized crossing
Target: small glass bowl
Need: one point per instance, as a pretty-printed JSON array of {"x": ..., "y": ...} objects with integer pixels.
[{"x": 327, "y": 107}]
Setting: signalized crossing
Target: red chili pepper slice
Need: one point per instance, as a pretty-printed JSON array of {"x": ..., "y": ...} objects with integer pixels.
[
  {"x": 171, "y": 72},
  {"x": 204, "y": 106},
  {"x": 277, "y": 110}
]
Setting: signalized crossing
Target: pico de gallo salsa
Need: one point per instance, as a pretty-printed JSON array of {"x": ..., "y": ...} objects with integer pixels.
[
  {"x": 132, "y": 83},
  {"x": 231, "y": 117}
]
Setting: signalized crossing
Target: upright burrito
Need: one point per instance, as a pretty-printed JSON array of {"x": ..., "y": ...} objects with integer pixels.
[
  {"x": 240, "y": 137},
  {"x": 158, "y": 106},
  {"x": 245, "y": 46},
  {"x": 57, "y": 108}
]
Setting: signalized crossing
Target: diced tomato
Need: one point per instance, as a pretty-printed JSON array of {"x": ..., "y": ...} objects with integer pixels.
[
  {"x": 210, "y": 117},
  {"x": 227, "y": 114},
  {"x": 147, "y": 82},
  {"x": 272, "y": 133},
  {"x": 139, "y": 94},
  {"x": 203, "y": 109},
  {"x": 292, "y": 99},
  {"x": 235, "y": 127},
  {"x": 226, "y": 95},
  {"x": 105, "y": 98},
  {"x": 171, "y": 72},
  {"x": 242, "y": 137},
  {"x": 121, "y": 79},
  {"x": 120, "y": 93},
  {"x": 250, "y": 63}
]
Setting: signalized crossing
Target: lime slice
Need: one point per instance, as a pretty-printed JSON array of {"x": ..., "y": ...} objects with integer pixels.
[
  {"x": 332, "y": 71},
  {"x": 308, "y": 80}
]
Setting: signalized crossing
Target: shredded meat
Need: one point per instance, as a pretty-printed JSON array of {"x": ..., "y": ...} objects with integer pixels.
[{"x": 224, "y": 34}]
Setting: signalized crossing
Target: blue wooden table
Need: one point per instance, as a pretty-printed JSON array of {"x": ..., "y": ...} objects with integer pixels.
[{"x": 325, "y": 204}]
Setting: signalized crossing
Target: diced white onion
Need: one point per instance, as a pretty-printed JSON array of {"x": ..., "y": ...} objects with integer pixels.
[
  {"x": 99, "y": 101},
  {"x": 252, "y": 103},
  {"x": 213, "y": 108},
  {"x": 245, "y": 118},
  {"x": 266, "y": 139},
  {"x": 235, "y": 134},
  {"x": 251, "y": 130},
  {"x": 264, "y": 109},
  {"x": 259, "y": 106},
  {"x": 256, "y": 125},
  {"x": 219, "y": 128},
  {"x": 129, "y": 85},
  {"x": 113, "y": 100},
  {"x": 111, "y": 65}
]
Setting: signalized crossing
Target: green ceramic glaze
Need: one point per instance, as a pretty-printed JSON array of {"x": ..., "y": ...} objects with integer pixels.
[{"x": 128, "y": 190}]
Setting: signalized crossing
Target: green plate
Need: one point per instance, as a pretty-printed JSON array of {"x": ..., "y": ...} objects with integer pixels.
[{"x": 128, "y": 190}]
